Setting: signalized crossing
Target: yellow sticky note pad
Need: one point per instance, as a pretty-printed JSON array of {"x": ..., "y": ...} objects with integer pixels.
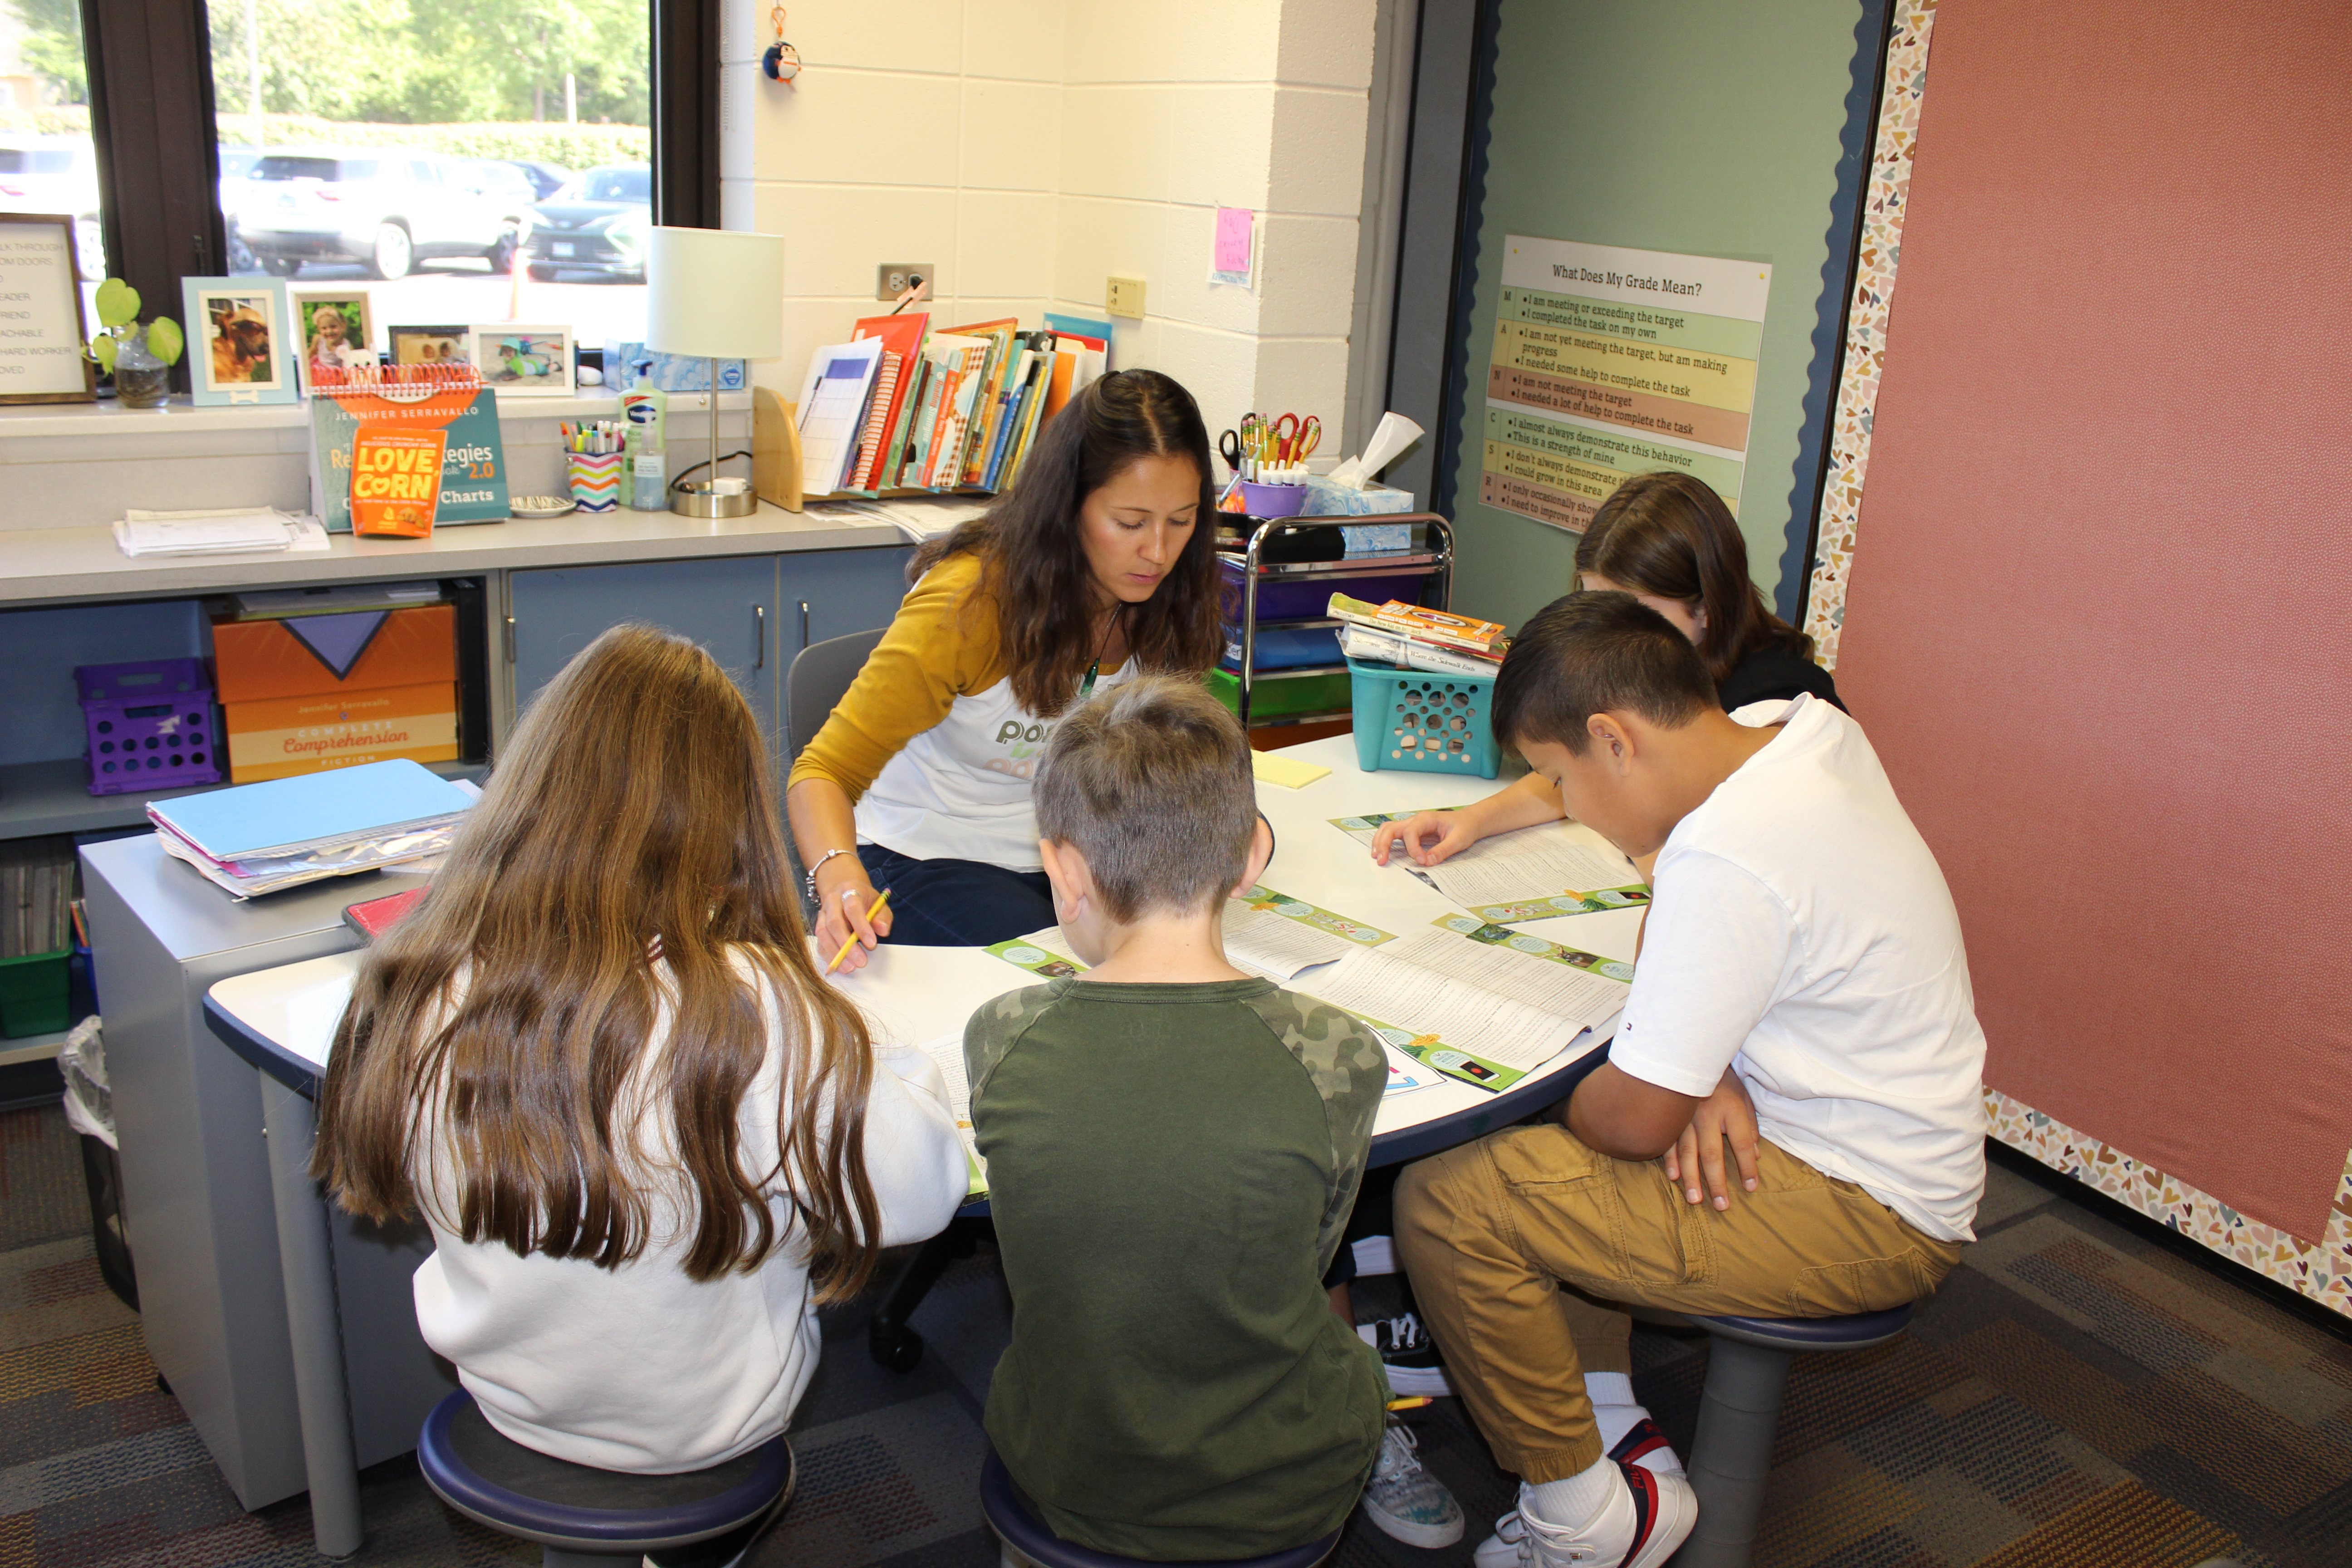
[{"x": 1287, "y": 772}]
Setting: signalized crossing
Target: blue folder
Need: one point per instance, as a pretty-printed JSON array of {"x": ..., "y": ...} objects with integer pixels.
[{"x": 312, "y": 811}]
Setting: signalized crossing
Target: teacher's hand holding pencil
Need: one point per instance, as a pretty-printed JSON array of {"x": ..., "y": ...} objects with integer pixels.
[{"x": 860, "y": 926}]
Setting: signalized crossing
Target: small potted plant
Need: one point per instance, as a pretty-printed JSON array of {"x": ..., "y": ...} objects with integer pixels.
[{"x": 139, "y": 355}]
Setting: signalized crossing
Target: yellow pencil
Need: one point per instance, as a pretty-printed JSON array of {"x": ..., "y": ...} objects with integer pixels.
[
  {"x": 853, "y": 937},
  {"x": 1414, "y": 1402}
]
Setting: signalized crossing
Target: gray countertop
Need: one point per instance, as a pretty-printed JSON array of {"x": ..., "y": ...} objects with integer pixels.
[{"x": 63, "y": 565}]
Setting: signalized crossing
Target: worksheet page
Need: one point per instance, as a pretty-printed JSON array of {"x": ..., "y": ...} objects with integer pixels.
[
  {"x": 1534, "y": 862},
  {"x": 1275, "y": 946},
  {"x": 1509, "y": 1008}
]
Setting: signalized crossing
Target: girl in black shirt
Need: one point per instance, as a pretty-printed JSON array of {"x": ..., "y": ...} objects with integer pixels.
[{"x": 1669, "y": 541}]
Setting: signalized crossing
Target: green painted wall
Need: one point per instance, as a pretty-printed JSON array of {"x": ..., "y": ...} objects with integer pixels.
[{"x": 1702, "y": 126}]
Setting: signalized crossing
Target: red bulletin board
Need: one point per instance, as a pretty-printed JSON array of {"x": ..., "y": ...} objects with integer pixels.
[{"x": 2099, "y": 623}]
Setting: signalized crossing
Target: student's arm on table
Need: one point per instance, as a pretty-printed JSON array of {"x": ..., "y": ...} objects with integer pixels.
[{"x": 1526, "y": 803}]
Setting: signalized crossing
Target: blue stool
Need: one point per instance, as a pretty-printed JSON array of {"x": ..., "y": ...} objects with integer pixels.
[
  {"x": 1002, "y": 1502},
  {"x": 1747, "y": 1375},
  {"x": 581, "y": 1515}
]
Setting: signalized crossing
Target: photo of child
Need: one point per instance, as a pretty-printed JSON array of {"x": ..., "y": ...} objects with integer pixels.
[
  {"x": 427, "y": 345},
  {"x": 335, "y": 334},
  {"x": 240, "y": 335},
  {"x": 520, "y": 359}
]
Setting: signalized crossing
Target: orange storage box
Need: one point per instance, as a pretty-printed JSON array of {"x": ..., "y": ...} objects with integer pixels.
[
  {"x": 276, "y": 737},
  {"x": 306, "y": 655}
]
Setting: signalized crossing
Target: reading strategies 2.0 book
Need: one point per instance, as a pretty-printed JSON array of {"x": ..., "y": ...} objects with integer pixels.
[{"x": 473, "y": 461}]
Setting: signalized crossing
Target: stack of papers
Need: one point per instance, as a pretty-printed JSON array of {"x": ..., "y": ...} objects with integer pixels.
[
  {"x": 140, "y": 534},
  {"x": 260, "y": 837},
  {"x": 915, "y": 518}
]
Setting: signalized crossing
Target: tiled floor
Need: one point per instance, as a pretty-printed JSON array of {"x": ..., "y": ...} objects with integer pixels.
[{"x": 2078, "y": 1396}]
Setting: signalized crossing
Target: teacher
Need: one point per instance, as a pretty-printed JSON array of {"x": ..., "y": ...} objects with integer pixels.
[{"x": 1098, "y": 566}]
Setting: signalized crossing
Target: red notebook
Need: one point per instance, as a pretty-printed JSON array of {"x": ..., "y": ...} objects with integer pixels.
[{"x": 374, "y": 917}]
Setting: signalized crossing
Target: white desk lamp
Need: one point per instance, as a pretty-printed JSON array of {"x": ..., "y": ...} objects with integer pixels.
[{"x": 716, "y": 294}]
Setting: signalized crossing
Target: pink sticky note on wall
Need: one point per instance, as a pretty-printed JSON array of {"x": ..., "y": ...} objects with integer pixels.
[{"x": 1231, "y": 253}]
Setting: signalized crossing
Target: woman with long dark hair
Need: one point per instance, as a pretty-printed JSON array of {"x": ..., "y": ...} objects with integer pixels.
[
  {"x": 1098, "y": 566},
  {"x": 1669, "y": 541}
]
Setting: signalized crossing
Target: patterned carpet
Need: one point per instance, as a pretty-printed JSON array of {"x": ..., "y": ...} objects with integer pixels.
[{"x": 2078, "y": 1396}]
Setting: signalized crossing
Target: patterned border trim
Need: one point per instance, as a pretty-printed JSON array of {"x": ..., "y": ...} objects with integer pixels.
[
  {"x": 2321, "y": 1270},
  {"x": 1866, "y": 313}
]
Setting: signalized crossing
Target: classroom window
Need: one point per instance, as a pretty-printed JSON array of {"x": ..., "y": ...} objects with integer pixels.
[
  {"x": 49, "y": 161},
  {"x": 462, "y": 164}
]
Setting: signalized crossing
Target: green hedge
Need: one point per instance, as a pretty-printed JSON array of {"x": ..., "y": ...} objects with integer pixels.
[{"x": 574, "y": 146}]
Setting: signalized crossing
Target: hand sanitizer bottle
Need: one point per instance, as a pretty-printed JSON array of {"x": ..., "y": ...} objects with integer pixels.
[{"x": 645, "y": 407}]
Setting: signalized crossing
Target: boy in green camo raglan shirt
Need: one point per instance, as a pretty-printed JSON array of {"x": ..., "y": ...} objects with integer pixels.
[{"x": 1173, "y": 1147}]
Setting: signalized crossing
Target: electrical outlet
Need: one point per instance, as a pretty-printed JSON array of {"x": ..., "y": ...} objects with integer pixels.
[
  {"x": 1124, "y": 297},
  {"x": 893, "y": 279}
]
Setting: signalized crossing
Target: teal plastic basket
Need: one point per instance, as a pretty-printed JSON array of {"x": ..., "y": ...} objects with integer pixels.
[{"x": 1411, "y": 720}]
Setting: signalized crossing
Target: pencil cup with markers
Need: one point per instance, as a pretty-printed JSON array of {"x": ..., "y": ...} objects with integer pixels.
[{"x": 595, "y": 478}]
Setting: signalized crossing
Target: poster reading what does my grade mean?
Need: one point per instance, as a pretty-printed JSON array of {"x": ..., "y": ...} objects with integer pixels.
[{"x": 1610, "y": 362}]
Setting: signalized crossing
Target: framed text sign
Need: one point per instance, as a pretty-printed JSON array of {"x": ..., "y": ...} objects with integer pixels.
[{"x": 41, "y": 324}]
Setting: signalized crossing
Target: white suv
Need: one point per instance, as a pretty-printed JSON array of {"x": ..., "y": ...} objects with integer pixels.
[{"x": 385, "y": 208}]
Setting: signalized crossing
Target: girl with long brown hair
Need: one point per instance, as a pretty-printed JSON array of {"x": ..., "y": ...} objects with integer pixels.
[
  {"x": 598, "y": 1058},
  {"x": 1668, "y": 540},
  {"x": 1099, "y": 565}
]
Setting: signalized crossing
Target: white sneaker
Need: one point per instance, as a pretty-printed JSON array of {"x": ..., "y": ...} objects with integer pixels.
[
  {"x": 1639, "y": 1527},
  {"x": 1406, "y": 1502},
  {"x": 1644, "y": 1444}
]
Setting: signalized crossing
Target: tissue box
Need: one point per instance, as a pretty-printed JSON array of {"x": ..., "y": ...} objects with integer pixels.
[
  {"x": 671, "y": 373},
  {"x": 1325, "y": 499}
]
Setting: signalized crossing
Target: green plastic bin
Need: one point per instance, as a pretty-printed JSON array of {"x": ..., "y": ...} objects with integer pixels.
[
  {"x": 1279, "y": 696},
  {"x": 33, "y": 994}
]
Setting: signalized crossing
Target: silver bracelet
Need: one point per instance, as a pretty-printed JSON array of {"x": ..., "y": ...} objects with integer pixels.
[{"x": 808, "y": 883}]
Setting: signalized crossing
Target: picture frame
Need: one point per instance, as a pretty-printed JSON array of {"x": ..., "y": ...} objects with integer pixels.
[
  {"x": 330, "y": 326},
  {"x": 521, "y": 361},
  {"x": 43, "y": 358},
  {"x": 237, "y": 351},
  {"x": 430, "y": 344}
]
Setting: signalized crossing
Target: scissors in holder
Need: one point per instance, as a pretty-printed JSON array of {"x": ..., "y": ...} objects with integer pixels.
[
  {"x": 1229, "y": 448},
  {"x": 1295, "y": 439}
]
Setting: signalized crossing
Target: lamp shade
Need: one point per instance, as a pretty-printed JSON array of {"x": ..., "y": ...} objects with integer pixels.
[{"x": 715, "y": 293}]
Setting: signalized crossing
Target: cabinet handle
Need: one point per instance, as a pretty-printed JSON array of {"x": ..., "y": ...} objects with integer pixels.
[
  {"x": 805, "y": 623},
  {"x": 760, "y": 629},
  {"x": 510, "y": 620}
]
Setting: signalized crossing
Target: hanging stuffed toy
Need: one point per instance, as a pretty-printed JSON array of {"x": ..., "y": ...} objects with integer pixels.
[{"x": 782, "y": 62}]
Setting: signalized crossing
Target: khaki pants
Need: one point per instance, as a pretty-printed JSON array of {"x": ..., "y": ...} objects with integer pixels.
[{"x": 1510, "y": 1240}]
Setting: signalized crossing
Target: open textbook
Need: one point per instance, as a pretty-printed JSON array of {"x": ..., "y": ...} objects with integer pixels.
[
  {"x": 1473, "y": 1000},
  {"x": 1534, "y": 874}
]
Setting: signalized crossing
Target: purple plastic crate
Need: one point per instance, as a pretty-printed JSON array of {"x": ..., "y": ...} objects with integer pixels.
[{"x": 149, "y": 725}]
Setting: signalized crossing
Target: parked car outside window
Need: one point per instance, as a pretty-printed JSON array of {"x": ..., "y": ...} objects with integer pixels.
[
  {"x": 595, "y": 224},
  {"x": 56, "y": 174},
  {"x": 386, "y": 208}
]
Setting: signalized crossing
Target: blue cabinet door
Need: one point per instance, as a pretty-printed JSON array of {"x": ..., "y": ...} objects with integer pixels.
[
  {"x": 728, "y": 605},
  {"x": 832, "y": 593}
]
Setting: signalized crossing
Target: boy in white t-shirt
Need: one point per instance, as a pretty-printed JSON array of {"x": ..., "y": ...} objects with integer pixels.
[{"x": 1802, "y": 996}]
